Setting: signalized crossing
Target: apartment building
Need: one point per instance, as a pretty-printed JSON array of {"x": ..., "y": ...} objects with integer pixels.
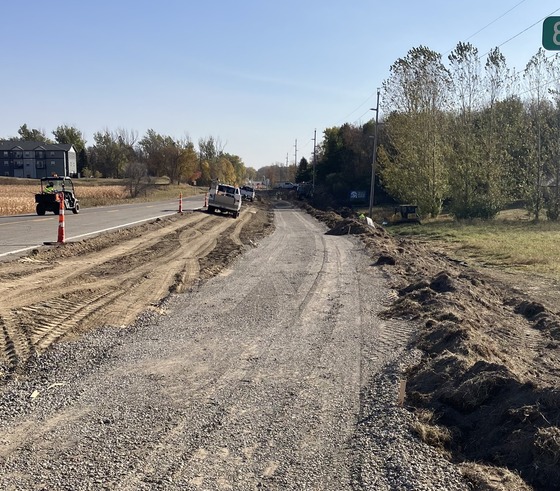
[{"x": 37, "y": 159}]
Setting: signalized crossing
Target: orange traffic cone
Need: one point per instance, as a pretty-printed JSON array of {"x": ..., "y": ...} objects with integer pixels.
[
  {"x": 61, "y": 219},
  {"x": 180, "y": 203}
]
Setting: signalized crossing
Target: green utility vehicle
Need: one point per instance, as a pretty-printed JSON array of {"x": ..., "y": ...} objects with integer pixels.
[{"x": 52, "y": 188}]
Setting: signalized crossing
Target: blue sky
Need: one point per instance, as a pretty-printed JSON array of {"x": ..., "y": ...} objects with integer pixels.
[{"x": 254, "y": 74}]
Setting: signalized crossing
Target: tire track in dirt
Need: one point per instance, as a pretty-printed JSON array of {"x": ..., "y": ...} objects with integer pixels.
[
  {"x": 321, "y": 319},
  {"x": 108, "y": 280},
  {"x": 235, "y": 383}
]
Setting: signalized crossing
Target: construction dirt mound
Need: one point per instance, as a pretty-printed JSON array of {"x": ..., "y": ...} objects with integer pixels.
[{"x": 487, "y": 383}]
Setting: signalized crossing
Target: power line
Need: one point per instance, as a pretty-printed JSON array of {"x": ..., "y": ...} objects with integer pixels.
[
  {"x": 489, "y": 24},
  {"x": 495, "y": 20},
  {"x": 521, "y": 32},
  {"x": 359, "y": 119},
  {"x": 470, "y": 37},
  {"x": 361, "y": 105},
  {"x": 480, "y": 57}
]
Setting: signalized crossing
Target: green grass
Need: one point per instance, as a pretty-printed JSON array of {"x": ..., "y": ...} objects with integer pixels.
[{"x": 510, "y": 242}]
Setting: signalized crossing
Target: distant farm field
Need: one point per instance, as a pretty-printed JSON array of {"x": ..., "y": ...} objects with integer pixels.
[
  {"x": 17, "y": 196},
  {"x": 16, "y": 200}
]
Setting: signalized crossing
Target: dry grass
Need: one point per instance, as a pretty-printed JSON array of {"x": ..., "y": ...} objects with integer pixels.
[
  {"x": 547, "y": 441},
  {"x": 491, "y": 478},
  {"x": 430, "y": 433},
  {"x": 509, "y": 242},
  {"x": 17, "y": 196},
  {"x": 101, "y": 195},
  {"x": 16, "y": 200}
]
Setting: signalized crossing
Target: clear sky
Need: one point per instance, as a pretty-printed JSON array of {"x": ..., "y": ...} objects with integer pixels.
[{"x": 254, "y": 74}]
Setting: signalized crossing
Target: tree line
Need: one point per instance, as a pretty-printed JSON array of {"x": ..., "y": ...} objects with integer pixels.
[
  {"x": 122, "y": 154},
  {"x": 470, "y": 134}
]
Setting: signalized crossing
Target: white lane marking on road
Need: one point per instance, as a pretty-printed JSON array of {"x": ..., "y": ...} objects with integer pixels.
[{"x": 89, "y": 233}]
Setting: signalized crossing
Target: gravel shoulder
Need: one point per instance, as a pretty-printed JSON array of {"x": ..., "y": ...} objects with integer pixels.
[
  {"x": 328, "y": 356},
  {"x": 275, "y": 372}
]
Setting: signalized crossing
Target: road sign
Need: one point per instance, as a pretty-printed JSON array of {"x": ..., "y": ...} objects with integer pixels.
[{"x": 551, "y": 33}]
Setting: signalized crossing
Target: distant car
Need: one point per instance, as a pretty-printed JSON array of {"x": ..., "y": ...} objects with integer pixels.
[
  {"x": 286, "y": 185},
  {"x": 247, "y": 192}
]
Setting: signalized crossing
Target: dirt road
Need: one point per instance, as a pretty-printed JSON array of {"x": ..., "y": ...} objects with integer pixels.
[
  {"x": 280, "y": 370},
  {"x": 255, "y": 379}
]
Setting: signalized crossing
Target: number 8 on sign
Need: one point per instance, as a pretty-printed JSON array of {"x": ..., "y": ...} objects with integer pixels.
[{"x": 551, "y": 33}]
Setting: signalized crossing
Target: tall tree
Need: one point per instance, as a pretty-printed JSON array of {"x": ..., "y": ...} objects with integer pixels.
[
  {"x": 537, "y": 76},
  {"x": 552, "y": 190},
  {"x": 180, "y": 159},
  {"x": 152, "y": 145},
  {"x": 167, "y": 156},
  {"x": 417, "y": 94},
  {"x": 225, "y": 171},
  {"x": 70, "y": 135},
  {"x": 108, "y": 156},
  {"x": 32, "y": 134},
  {"x": 466, "y": 177},
  {"x": 304, "y": 172},
  {"x": 476, "y": 171},
  {"x": 251, "y": 174},
  {"x": 504, "y": 130},
  {"x": 344, "y": 161},
  {"x": 497, "y": 82},
  {"x": 208, "y": 155},
  {"x": 73, "y": 136}
]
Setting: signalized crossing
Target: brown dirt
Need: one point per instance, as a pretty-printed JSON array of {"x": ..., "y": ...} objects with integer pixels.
[
  {"x": 490, "y": 339},
  {"x": 491, "y": 360},
  {"x": 60, "y": 292}
]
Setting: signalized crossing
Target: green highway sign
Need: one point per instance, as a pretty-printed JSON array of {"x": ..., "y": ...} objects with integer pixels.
[{"x": 551, "y": 33}]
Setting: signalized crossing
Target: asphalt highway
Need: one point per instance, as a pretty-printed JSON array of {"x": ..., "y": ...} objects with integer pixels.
[{"x": 21, "y": 233}]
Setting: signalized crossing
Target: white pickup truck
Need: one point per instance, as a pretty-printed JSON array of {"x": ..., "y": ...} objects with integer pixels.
[
  {"x": 247, "y": 193},
  {"x": 225, "y": 198}
]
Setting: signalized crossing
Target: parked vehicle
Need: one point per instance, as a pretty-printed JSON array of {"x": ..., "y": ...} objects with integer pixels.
[
  {"x": 406, "y": 214},
  {"x": 225, "y": 198},
  {"x": 247, "y": 192},
  {"x": 52, "y": 188},
  {"x": 286, "y": 185}
]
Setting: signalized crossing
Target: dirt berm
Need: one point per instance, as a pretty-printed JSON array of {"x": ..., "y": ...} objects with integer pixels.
[
  {"x": 485, "y": 391},
  {"x": 487, "y": 387}
]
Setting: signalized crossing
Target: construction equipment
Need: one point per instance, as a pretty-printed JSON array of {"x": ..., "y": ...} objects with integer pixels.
[
  {"x": 52, "y": 188},
  {"x": 405, "y": 214}
]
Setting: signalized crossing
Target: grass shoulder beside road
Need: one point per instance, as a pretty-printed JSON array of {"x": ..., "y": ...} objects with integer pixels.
[{"x": 510, "y": 242}]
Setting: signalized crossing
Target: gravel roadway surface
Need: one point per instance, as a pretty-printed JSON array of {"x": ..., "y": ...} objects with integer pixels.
[{"x": 276, "y": 374}]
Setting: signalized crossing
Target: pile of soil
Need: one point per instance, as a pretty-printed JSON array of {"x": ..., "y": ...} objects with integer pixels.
[{"x": 490, "y": 360}]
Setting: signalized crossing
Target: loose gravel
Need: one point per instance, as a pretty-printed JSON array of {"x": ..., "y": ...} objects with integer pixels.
[{"x": 277, "y": 374}]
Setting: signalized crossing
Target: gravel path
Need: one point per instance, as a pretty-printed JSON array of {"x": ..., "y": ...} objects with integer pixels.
[{"x": 277, "y": 374}]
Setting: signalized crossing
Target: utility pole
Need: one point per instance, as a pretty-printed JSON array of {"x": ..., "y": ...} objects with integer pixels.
[
  {"x": 295, "y": 161},
  {"x": 314, "y": 159},
  {"x": 374, "y": 158}
]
